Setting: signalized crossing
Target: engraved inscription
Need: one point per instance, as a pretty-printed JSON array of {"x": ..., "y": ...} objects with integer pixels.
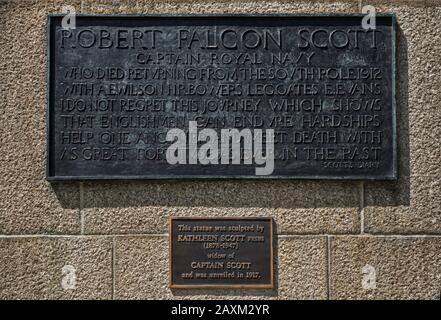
[
  {"x": 322, "y": 85},
  {"x": 221, "y": 252}
]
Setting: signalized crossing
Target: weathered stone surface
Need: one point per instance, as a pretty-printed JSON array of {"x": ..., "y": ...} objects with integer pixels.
[
  {"x": 141, "y": 268},
  {"x": 32, "y": 268},
  {"x": 302, "y": 268},
  {"x": 144, "y": 207},
  {"x": 53, "y": 210},
  {"x": 404, "y": 268},
  {"x": 28, "y": 204},
  {"x": 414, "y": 207},
  {"x": 414, "y": 3},
  {"x": 141, "y": 271},
  {"x": 222, "y": 6},
  {"x": 411, "y": 205},
  {"x": 23, "y": 91}
]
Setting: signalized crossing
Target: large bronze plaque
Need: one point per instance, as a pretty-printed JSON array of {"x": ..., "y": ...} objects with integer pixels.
[
  {"x": 134, "y": 97},
  {"x": 221, "y": 252}
]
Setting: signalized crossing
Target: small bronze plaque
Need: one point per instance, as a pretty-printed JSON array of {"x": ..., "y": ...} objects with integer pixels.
[{"x": 221, "y": 252}]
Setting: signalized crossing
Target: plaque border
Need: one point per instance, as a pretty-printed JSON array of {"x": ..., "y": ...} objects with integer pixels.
[
  {"x": 220, "y": 286},
  {"x": 393, "y": 174}
]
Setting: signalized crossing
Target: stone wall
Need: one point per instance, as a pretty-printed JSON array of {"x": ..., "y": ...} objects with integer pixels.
[{"x": 115, "y": 234}]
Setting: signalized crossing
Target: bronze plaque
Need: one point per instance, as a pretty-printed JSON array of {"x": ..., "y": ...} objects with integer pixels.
[
  {"x": 221, "y": 252},
  {"x": 221, "y": 97}
]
